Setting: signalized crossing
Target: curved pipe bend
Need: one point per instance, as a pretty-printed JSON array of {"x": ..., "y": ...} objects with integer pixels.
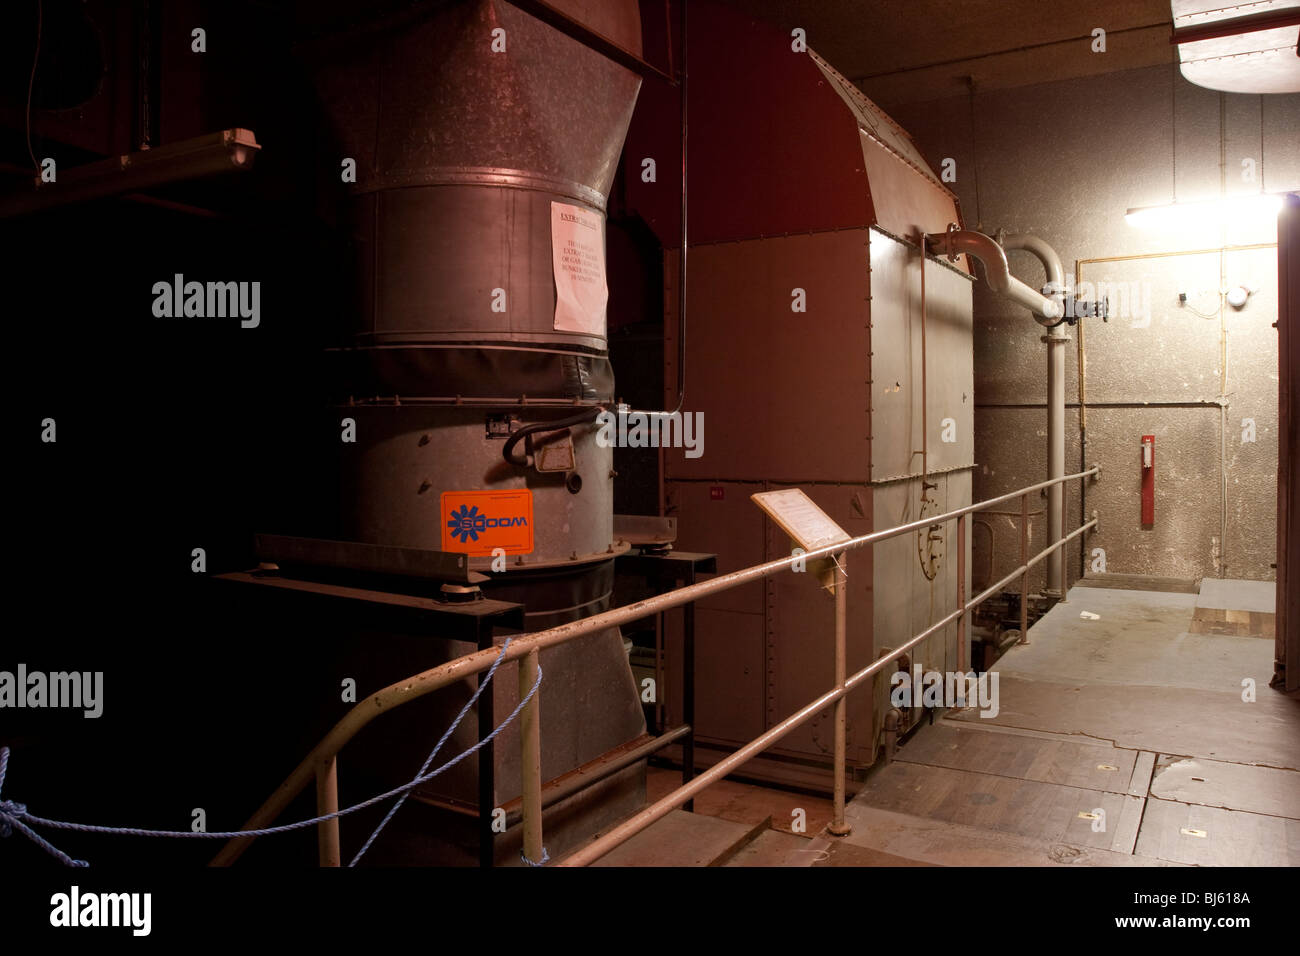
[
  {"x": 997, "y": 273},
  {"x": 1044, "y": 253}
]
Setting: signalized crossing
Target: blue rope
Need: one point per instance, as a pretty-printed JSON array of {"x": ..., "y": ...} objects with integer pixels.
[
  {"x": 14, "y": 815},
  {"x": 432, "y": 753},
  {"x": 546, "y": 858},
  {"x": 11, "y": 818}
]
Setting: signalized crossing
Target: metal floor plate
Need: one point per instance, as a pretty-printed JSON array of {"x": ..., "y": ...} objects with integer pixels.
[{"x": 1175, "y": 736}]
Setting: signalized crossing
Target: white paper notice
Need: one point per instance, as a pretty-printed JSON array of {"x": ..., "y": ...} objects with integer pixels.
[{"x": 578, "y": 255}]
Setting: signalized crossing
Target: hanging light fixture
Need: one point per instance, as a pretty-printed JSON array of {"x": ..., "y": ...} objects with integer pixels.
[{"x": 1253, "y": 209}]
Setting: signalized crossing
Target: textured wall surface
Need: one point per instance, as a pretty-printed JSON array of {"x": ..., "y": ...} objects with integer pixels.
[{"x": 1065, "y": 161}]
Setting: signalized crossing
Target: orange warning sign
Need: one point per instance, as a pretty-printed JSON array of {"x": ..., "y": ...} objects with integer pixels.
[{"x": 478, "y": 522}]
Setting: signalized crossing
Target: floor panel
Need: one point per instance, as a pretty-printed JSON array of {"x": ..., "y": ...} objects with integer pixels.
[{"x": 1153, "y": 709}]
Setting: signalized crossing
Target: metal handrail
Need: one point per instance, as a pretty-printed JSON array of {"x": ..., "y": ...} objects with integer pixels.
[{"x": 321, "y": 763}]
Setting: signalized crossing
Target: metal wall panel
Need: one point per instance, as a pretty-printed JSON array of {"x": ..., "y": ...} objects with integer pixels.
[
  {"x": 729, "y": 675},
  {"x": 760, "y": 371},
  {"x": 730, "y": 526},
  {"x": 801, "y": 631},
  {"x": 1151, "y": 137},
  {"x": 1183, "y": 541},
  {"x": 896, "y": 362}
]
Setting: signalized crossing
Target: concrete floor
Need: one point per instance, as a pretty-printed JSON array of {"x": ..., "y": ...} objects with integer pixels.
[{"x": 1123, "y": 740}]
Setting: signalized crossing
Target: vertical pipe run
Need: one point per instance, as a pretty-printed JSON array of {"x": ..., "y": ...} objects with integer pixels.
[
  {"x": 925, "y": 391},
  {"x": 963, "y": 652},
  {"x": 1064, "y": 582},
  {"x": 530, "y": 763},
  {"x": 1024, "y": 576},
  {"x": 1056, "y": 343},
  {"x": 327, "y": 801},
  {"x": 838, "y": 826}
]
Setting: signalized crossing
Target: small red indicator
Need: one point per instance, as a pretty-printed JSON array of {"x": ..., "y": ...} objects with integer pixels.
[
  {"x": 1148, "y": 480},
  {"x": 716, "y": 492}
]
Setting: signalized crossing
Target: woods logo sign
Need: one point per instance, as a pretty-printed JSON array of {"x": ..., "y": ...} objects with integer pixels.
[{"x": 478, "y": 522}]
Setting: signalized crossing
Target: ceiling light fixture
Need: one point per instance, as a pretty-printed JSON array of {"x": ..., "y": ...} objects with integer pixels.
[{"x": 1256, "y": 208}]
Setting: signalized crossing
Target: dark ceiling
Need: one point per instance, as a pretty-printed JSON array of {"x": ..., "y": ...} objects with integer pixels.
[{"x": 903, "y": 51}]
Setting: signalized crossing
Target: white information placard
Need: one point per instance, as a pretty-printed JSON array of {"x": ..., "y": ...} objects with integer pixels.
[
  {"x": 800, "y": 518},
  {"x": 578, "y": 259}
]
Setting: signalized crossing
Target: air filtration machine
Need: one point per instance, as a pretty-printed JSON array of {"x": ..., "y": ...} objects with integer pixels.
[
  {"x": 823, "y": 355},
  {"x": 477, "y": 146}
]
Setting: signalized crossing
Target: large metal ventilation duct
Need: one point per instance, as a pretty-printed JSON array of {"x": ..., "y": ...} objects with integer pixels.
[
  {"x": 461, "y": 151},
  {"x": 471, "y": 127}
]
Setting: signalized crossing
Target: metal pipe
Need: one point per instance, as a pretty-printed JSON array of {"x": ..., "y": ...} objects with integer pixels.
[
  {"x": 530, "y": 760},
  {"x": 838, "y": 826},
  {"x": 563, "y": 787},
  {"x": 925, "y": 391},
  {"x": 1081, "y": 369},
  {"x": 443, "y": 675},
  {"x": 1060, "y": 555},
  {"x": 1046, "y": 255},
  {"x": 963, "y": 652},
  {"x": 1055, "y": 272},
  {"x": 893, "y": 720},
  {"x": 997, "y": 273},
  {"x": 1056, "y": 343}
]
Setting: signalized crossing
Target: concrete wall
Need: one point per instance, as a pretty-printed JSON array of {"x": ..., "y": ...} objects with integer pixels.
[{"x": 1065, "y": 161}]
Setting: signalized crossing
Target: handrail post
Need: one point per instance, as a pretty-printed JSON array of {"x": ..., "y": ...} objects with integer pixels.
[
  {"x": 1024, "y": 560},
  {"x": 963, "y": 650},
  {"x": 838, "y": 826},
  {"x": 530, "y": 763},
  {"x": 327, "y": 801}
]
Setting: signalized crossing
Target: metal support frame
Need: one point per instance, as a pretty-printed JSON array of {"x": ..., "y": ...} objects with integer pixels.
[{"x": 678, "y": 567}]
